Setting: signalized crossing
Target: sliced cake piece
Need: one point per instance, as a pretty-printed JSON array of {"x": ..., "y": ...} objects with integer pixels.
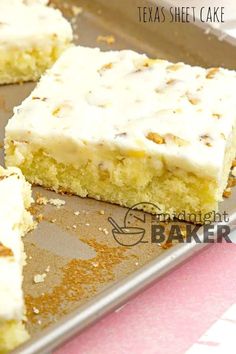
[
  {"x": 32, "y": 36},
  {"x": 123, "y": 128},
  {"x": 15, "y": 221}
]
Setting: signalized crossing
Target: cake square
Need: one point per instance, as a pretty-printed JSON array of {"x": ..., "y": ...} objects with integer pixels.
[
  {"x": 126, "y": 129},
  {"x": 32, "y": 36},
  {"x": 15, "y": 221}
]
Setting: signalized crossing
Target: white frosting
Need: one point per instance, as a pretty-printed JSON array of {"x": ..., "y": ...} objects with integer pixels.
[
  {"x": 83, "y": 99},
  {"x": 11, "y": 213},
  {"x": 29, "y": 23}
]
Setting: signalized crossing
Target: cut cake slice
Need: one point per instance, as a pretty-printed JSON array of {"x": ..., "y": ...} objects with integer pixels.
[
  {"x": 15, "y": 221},
  {"x": 32, "y": 36},
  {"x": 123, "y": 128}
]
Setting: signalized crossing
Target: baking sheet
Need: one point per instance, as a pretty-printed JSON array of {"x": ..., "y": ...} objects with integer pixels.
[{"x": 87, "y": 272}]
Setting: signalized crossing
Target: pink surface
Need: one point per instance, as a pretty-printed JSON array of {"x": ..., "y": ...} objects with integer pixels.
[{"x": 169, "y": 317}]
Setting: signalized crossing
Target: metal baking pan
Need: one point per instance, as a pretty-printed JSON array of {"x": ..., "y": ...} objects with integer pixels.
[{"x": 88, "y": 272}]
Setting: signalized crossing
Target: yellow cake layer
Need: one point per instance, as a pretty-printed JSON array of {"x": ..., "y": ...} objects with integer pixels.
[
  {"x": 27, "y": 65},
  {"x": 12, "y": 334},
  {"x": 125, "y": 183}
]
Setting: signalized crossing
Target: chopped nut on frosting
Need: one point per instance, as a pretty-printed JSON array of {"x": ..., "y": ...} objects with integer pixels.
[
  {"x": 216, "y": 115},
  {"x": 5, "y": 251},
  {"x": 156, "y": 138},
  {"x": 176, "y": 140},
  {"x": 211, "y": 73},
  {"x": 206, "y": 139}
]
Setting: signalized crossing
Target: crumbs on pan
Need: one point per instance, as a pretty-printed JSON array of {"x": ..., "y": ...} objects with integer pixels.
[
  {"x": 56, "y": 202},
  {"x": 109, "y": 39},
  {"x": 80, "y": 278},
  {"x": 53, "y": 201}
]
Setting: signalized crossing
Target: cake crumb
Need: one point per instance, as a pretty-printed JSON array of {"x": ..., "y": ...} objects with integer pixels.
[
  {"x": 95, "y": 264},
  {"x": 47, "y": 270},
  {"x": 109, "y": 39},
  {"x": 39, "y": 278},
  {"x": 39, "y": 217},
  {"x": 77, "y": 213},
  {"x": 53, "y": 221},
  {"x": 76, "y": 10},
  {"x": 56, "y": 202},
  {"x": 166, "y": 245},
  {"x": 74, "y": 226},
  {"x": 101, "y": 212},
  {"x": 207, "y": 30},
  {"x": 231, "y": 182},
  {"x": 227, "y": 193},
  {"x": 35, "y": 310},
  {"x": 41, "y": 200},
  {"x": 106, "y": 232},
  {"x": 87, "y": 224}
]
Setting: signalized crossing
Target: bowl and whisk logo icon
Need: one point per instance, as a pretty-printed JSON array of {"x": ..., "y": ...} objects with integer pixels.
[{"x": 135, "y": 223}]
